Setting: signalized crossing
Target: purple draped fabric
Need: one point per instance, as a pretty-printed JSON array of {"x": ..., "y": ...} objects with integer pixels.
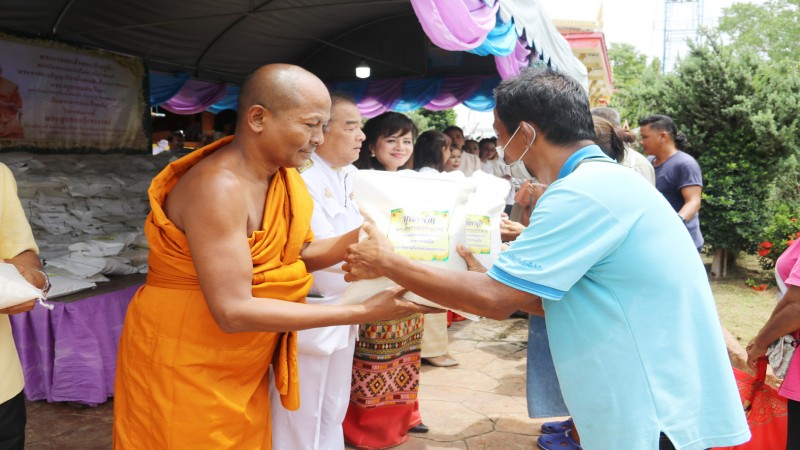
[
  {"x": 379, "y": 97},
  {"x": 455, "y": 25},
  {"x": 69, "y": 354},
  {"x": 511, "y": 65},
  {"x": 453, "y": 92},
  {"x": 194, "y": 97}
]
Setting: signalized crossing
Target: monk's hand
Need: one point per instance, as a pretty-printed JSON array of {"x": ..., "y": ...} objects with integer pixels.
[
  {"x": 473, "y": 265},
  {"x": 510, "y": 230},
  {"x": 365, "y": 260},
  {"x": 389, "y": 304}
]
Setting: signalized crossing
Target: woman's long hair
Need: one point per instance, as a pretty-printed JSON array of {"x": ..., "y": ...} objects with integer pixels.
[
  {"x": 610, "y": 138},
  {"x": 428, "y": 150}
]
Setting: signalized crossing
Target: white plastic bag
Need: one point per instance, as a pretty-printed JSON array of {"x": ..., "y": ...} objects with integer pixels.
[
  {"x": 426, "y": 216},
  {"x": 14, "y": 288}
]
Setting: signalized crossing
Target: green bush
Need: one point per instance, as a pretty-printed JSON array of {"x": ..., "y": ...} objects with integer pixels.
[{"x": 778, "y": 235}]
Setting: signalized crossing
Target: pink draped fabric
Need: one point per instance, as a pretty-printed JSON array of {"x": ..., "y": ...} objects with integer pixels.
[
  {"x": 454, "y": 91},
  {"x": 510, "y": 66},
  {"x": 456, "y": 25},
  {"x": 194, "y": 97},
  {"x": 379, "y": 97}
]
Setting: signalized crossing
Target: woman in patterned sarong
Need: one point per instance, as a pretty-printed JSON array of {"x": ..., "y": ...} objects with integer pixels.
[{"x": 383, "y": 397}]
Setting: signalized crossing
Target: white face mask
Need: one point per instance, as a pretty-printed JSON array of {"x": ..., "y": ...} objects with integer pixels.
[{"x": 517, "y": 168}]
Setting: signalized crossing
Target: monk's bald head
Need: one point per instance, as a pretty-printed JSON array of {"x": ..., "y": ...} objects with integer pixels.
[{"x": 278, "y": 87}]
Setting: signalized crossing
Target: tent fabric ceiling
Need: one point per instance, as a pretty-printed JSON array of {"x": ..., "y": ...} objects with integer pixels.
[{"x": 225, "y": 40}]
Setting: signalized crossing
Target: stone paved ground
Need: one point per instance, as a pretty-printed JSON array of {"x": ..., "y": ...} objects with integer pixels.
[{"x": 479, "y": 404}]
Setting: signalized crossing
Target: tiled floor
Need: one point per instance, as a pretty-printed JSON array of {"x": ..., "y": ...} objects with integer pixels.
[{"x": 479, "y": 404}]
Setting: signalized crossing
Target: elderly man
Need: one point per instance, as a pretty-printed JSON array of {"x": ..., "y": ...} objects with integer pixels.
[
  {"x": 231, "y": 249},
  {"x": 16, "y": 247},
  {"x": 633, "y": 329},
  {"x": 325, "y": 355}
]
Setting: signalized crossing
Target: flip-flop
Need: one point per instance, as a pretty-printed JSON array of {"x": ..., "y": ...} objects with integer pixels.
[
  {"x": 557, "y": 427},
  {"x": 561, "y": 441}
]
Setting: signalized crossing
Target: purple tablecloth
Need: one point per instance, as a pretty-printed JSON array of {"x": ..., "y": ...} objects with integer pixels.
[{"x": 69, "y": 354}]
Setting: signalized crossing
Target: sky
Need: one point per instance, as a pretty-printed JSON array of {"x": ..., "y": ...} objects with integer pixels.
[
  {"x": 640, "y": 23},
  {"x": 636, "y": 22}
]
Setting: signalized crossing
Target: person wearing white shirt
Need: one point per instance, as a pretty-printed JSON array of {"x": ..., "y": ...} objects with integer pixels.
[
  {"x": 325, "y": 355},
  {"x": 469, "y": 162}
]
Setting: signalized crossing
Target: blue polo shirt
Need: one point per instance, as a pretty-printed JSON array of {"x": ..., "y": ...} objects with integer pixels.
[{"x": 632, "y": 323}]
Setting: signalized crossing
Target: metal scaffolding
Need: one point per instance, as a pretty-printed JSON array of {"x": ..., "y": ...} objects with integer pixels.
[{"x": 682, "y": 21}]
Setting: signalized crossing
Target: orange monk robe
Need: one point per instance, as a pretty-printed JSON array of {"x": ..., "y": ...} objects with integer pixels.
[{"x": 182, "y": 383}]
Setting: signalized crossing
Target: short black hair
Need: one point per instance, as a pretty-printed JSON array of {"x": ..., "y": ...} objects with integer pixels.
[
  {"x": 383, "y": 125},
  {"x": 336, "y": 98},
  {"x": 555, "y": 102},
  {"x": 664, "y": 123},
  {"x": 453, "y": 128}
]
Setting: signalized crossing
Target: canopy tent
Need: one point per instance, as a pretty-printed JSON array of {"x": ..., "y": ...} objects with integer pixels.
[{"x": 198, "y": 51}]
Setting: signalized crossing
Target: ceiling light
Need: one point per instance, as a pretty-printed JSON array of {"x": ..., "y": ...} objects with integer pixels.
[{"x": 362, "y": 70}]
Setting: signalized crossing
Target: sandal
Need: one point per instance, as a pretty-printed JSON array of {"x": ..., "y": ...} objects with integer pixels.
[
  {"x": 557, "y": 427},
  {"x": 561, "y": 441}
]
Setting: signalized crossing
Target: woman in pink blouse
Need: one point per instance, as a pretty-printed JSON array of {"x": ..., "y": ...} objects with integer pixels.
[{"x": 785, "y": 319}]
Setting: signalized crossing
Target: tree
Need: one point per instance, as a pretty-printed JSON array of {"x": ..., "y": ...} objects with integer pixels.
[
  {"x": 438, "y": 120},
  {"x": 737, "y": 112},
  {"x": 637, "y": 83},
  {"x": 769, "y": 30}
]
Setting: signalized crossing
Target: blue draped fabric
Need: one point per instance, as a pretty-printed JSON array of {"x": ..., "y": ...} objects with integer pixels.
[
  {"x": 417, "y": 93},
  {"x": 483, "y": 99},
  {"x": 165, "y": 86},
  {"x": 230, "y": 101},
  {"x": 500, "y": 41},
  {"x": 355, "y": 89}
]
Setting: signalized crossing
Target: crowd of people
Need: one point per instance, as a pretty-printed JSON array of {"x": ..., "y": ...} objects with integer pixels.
[{"x": 238, "y": 340}]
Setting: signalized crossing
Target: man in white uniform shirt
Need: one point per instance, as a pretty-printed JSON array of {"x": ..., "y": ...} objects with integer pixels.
[{"x": 325, "y": 355}]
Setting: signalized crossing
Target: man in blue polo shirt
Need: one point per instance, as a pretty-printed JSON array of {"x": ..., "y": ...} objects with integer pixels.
[{"x": 632, "y": 324}]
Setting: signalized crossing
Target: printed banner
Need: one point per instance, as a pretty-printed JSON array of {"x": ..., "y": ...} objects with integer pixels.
[
  {"x": 479, "y": 234},
  {"x": 57, "y": 96},
  {"x": 420, "y": 235}
]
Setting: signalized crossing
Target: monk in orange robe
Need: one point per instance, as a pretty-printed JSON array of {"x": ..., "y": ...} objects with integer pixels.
[{"x": 230, "y": 255}]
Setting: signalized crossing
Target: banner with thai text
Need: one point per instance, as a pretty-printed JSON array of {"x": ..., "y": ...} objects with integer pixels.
[{"x": 56, "y": 96}]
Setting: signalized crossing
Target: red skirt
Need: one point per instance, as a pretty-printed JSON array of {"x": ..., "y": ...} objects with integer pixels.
[{"x": 385, "y": 383}]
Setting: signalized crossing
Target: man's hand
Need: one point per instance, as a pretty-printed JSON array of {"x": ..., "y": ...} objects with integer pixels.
[
  {"x": 21, "y": 308},
  {"x": 33, "y": 277},
  {"x": 364, "y": 260},
  {"x": 473, "y": 265},
  {"x": 389, "y": 304}
]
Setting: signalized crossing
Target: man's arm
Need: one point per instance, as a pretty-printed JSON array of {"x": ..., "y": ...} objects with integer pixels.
[
  {"x": 213, "y": 215},
  {"x": 691, "y": 201},
  {"x": 29, "y": 265},
  {"x": 327, "y": 252},
  {"x": 472, "y": 292}
]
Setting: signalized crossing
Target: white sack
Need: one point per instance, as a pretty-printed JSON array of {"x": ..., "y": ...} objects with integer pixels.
[
  {"x": 14, "y": 288},
  {"x": 425, "y": 217}
]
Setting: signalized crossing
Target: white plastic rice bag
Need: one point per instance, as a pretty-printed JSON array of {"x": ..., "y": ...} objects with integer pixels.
[
  {"x": 14, "y": 288},
  {"x": 426, "y": 216}
]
